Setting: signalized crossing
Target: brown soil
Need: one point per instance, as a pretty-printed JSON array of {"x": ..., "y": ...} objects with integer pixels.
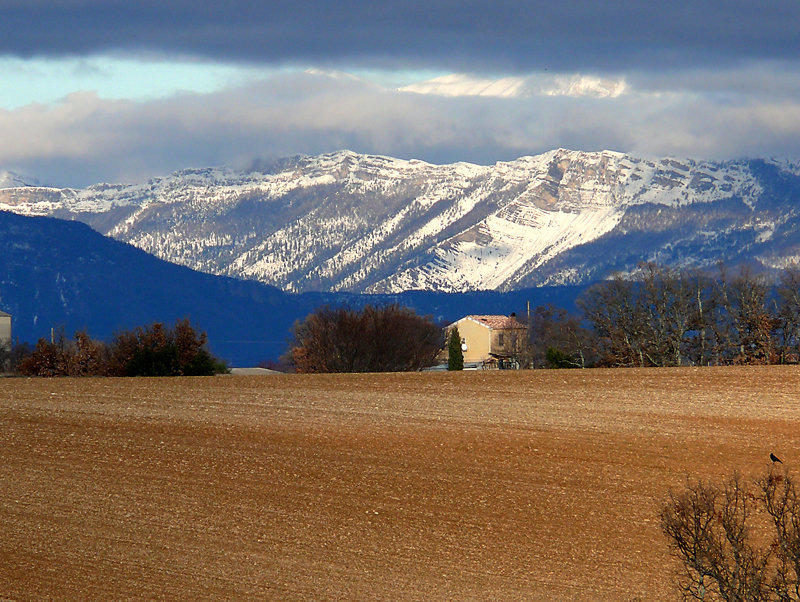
[{"x": 490, "y": 485}]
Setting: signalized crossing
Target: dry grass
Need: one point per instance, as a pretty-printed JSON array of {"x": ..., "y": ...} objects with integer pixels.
[{"x": 536, "y": 485}]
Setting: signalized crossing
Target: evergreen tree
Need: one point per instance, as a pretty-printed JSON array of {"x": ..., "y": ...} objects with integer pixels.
[{"x": 455, "y": 356}]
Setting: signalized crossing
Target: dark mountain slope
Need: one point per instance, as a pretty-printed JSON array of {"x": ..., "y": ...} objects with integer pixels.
[{"x": 55, "y": 273}]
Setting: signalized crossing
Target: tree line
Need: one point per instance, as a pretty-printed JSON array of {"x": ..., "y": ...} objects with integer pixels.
[
  {"x": 661, "y": 316},
  {"x": 658, "y": 316},
  {"x": 152, "y": 350}
]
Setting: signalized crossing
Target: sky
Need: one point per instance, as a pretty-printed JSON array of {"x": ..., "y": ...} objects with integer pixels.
[{"x": 120, "y": 91}]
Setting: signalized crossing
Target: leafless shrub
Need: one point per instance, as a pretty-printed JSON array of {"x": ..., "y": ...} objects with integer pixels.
[
  {"x": 736, "y": 541},
  {"x": 153, "y": 350}
]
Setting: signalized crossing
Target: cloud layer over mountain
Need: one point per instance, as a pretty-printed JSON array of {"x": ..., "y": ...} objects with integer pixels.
[{"x": 477, "y": 81}]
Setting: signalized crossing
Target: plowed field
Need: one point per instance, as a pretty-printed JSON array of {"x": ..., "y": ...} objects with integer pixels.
[{"x": 477, "y": 485}]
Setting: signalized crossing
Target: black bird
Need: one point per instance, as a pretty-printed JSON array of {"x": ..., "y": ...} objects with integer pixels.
[{"x": 775, "y": 458}]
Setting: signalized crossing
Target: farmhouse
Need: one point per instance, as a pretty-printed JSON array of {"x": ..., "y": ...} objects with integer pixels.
[
  {"x": 491, "y": 340},
  {"x": 5, "y": 329}
]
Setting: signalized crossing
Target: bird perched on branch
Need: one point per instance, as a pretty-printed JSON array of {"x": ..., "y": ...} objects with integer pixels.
[{"x": 775, "y": 458}]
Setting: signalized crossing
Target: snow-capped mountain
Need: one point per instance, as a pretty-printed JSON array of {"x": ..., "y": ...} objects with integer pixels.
[{"x": 363, "y": 223}]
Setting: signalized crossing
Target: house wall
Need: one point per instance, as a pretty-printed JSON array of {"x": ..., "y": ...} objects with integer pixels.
[
  {"x": 508, "y": 341},
  {"x": 477, "y": 338},
  {"x": 5, "y": 329}
]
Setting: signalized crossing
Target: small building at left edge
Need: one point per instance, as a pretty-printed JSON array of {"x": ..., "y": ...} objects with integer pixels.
[{"x": 5, "y": 328}]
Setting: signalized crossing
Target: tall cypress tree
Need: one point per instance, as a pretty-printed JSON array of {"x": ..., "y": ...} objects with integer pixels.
[{"x": 455, "y": 357}]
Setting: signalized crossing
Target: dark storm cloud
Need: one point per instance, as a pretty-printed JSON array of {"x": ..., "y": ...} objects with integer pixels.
[{"x": 467, "y": 35}]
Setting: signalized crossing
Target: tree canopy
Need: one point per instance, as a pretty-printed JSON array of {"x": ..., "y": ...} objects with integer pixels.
[{"x": 375, "y": 339}]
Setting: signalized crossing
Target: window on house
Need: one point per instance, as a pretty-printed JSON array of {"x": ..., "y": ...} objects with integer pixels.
[{"x": 500, "y": 338}]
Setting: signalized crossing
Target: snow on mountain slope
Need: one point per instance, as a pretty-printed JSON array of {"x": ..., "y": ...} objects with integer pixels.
[
  {"x": 365, "y": 223},
  {"x": 490, "y": 253}
]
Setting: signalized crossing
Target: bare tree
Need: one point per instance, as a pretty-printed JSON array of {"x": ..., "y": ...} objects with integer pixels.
[
  {"x": 613, "y": 309},
  {"x": 85, "y": 357},
  {"x": 783, "y": 506},
  {"x": 736, "y": 542},
  {"x": 665, "y": 317},
  {"x": 671, "y": 310},
  {"x": 700, "y": 341},
  {"x": 744, "y": 324},
  {"x": 49, "y": 358},
  {"x": 645, "y": 320},
  {"x": 555, "y": 332}
]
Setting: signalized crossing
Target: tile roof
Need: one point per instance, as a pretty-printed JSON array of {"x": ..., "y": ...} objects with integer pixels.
[{"x": 503, "y": 322}]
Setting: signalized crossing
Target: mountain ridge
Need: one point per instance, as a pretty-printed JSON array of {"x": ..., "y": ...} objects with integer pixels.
[{"x": 372, "y": 224}]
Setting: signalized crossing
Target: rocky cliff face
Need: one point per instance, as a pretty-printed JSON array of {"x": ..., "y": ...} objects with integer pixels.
[{"x": 361, "y": 223}]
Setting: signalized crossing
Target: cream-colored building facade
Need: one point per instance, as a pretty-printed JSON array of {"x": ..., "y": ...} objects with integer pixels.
[
  {"x": 489, "y": 338},
  {"x": 5, "y": 328}
]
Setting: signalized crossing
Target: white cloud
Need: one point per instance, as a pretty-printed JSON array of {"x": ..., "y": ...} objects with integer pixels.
[
  {"x": 587, "y": 85},
  {"x": 577, "y": 85},
  {"x": 84, "y": 138},
  {"x": 459, "y": 84}
]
